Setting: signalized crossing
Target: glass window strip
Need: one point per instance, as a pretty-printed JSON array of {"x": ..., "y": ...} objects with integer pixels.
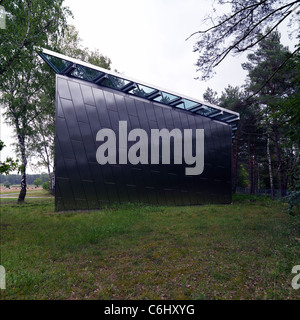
[
  {"x": 77, "y": 73},
  {"x": 107, "y": 82},
  {"x": 145, "y": 90},
  {"x": 59, "y": 65},
  {"x": 189, "y": 104},
  {"x": 114, "y": 82},
  {"x": 92, "y": 74},
  {"x": 180, "y": 105}
]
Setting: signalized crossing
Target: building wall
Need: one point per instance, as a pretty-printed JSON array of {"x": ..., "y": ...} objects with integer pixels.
[{"x": 82, "y": 109}]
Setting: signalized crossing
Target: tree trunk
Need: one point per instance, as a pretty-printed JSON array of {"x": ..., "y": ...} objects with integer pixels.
[
  {"x": 258, "y": 178},
  {"x": 251, "y": 169},
  {"x": 23, "y": 190},
  {"x": 252, "y": 173},
  {"x": 235, "y": 160},
  {"x": 280, "y": 165},
  {"x": 254, "y": 167},
  {"x": 270, "y": 168},
  {"x": 53, "y": 181},
  {"x": 48, "y": 167},
  {"x": 49, "y": 178}
]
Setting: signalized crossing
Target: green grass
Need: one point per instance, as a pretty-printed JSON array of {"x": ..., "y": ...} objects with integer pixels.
[
  {"x": 241, "y": 251},
  {"x": 31, "y": 192}
]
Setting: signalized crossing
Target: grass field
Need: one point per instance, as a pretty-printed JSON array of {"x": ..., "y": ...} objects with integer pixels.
[
  {"x": 32, "y": 191},
  {"x": 241, "y": 251}
]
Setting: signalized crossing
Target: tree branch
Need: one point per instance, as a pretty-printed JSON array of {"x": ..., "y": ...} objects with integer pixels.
[
  {"x": 269, "y": 31},
  {"x": 228, "y": 50},
  {"x": 228, "y": 19}
]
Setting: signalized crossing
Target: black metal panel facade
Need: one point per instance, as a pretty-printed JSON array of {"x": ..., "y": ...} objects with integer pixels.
[{"x": 82, "y": 109}]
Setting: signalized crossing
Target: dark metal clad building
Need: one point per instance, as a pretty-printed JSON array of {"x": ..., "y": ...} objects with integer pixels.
[{"x": 121, "y": 140}]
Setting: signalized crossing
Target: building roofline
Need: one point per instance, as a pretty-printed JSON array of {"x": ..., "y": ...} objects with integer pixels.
[{"x": 127, "y": 84}]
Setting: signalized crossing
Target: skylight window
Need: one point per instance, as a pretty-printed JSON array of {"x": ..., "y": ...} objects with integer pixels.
[
  {"x": 142, "y": 91},
  {"x": 71, "y": 67},
  {"x": 206, "y": 111},
  {"x": 79, "y": 73},
  {"x": 189, "y": 104},
  {"x": 91, "y": 73},
  {"x": 166, "y": 98},
  {"x": 59, "y": 65},
  {"x": 114, "y": 82}
]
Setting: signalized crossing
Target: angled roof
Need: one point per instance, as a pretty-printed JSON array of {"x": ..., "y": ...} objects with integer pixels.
[{"x": 71, "y": 67}]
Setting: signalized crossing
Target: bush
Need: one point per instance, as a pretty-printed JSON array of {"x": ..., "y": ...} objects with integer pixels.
[
  {"x": 243, "y": 177},
  {"x": 46, "y": 186},
  {"x": 6, "y": 184},
  {"x": 37, "y": 182},
  {"x": 293, "y": 200}
]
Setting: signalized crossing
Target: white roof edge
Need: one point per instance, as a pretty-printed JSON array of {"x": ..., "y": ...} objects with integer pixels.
[{"x": 89, "y": 65}]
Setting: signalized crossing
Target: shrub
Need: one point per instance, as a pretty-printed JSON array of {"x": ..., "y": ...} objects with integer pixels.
[
  {"x": 293, "y": 200},
  {"x": 6, "y": 184},
  {"x": 37, "y": 182},
  {"x": 45, "y": 185}
]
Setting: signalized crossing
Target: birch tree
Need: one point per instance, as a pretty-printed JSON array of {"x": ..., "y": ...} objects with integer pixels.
[
  {"x": 30, "y": 24},
  {"x": 42, "y": 138}
]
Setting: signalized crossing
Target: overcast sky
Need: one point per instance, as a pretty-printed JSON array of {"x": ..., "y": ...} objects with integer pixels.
[{"x": 146, "y": 40}]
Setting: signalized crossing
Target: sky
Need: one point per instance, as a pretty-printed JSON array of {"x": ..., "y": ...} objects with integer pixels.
[{"x": 146, "y": 40}]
